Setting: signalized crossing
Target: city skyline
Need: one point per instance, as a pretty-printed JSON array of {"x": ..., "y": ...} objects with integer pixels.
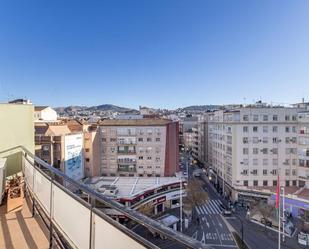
[{"x": 139, "y": 53}]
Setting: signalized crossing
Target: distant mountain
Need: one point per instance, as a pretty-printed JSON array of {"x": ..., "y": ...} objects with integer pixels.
[
  {"x": 200, "y": 108},
  {"x": 104, "y": 107}
]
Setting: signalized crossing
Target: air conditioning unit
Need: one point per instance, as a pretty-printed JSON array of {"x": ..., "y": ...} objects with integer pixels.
[{"x": 2, "y": 178}]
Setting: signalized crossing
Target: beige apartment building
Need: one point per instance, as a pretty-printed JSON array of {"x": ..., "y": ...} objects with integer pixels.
[
  {"x": 303, "y": 149},
  {"x": 250, "y": 146},
  {"x": 139, "y": 147}
]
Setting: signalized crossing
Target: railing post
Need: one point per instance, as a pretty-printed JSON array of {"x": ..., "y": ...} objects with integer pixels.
[
  {"x": 50, "y": 212},
  {"x": 91, "y": 234}
]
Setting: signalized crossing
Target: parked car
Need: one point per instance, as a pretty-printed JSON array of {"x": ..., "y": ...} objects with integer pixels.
[{"x": 227, "y": 212}]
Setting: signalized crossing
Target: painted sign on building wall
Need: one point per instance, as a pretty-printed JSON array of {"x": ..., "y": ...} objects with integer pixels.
[{"x": 73, "y": 156}]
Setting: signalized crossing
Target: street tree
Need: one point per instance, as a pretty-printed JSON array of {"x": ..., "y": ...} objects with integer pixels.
[
  {"x": 196, "y": 195},
  {"x": 266, "y": 211}
]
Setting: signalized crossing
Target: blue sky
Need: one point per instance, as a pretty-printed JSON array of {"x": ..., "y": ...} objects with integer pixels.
[{"x": 159, "y": 53}]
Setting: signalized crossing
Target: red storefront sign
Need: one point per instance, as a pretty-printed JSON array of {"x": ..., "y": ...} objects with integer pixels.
[{"x": 159, "y": 200}]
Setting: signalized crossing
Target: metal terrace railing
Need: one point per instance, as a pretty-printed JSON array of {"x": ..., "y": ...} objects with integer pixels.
[{"x": 76, "y": 223}]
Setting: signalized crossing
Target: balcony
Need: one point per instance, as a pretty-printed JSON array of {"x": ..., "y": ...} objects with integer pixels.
[{"x": 66, "y": 214}]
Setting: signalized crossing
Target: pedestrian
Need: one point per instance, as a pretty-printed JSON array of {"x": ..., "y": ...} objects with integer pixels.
[{"x": 198, "y": 221}]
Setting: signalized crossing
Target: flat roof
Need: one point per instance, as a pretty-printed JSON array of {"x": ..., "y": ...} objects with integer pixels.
[
  {"x": 129, "y": 187},
  {"x": 134, "y": 122}
]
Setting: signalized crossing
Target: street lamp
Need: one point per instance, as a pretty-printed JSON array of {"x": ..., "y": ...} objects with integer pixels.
[{"x": 181, "y": 203}]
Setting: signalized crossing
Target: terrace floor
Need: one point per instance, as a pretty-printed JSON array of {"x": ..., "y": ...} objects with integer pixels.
[{"x": 19, "y": 230}]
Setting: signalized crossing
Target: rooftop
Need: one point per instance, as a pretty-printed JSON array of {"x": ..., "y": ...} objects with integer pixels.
[
  {"x": 39, "y": 108},
  {"x": 134, "y": 122},
  {"x": 130, "y": 186}
]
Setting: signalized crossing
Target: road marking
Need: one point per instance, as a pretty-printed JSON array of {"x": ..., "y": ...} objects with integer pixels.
[
  {"x": 218, "y": 236},
  {"x": 214, "y": 207},
  {"x": 205, "y": 211},
  {"x": 210, "y": 207},
  {"x": 194, "y": 236},
  {"x": 198, "y": 211},
  {"x": 206, "y": 222},
  {"x": 206, "y": 206},
  {"x": 219, "y": 222},
  {"x": 203, "y": 238}
]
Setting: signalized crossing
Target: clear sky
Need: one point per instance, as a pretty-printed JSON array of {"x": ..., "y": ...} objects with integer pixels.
[{"x": 158, "y": 53}]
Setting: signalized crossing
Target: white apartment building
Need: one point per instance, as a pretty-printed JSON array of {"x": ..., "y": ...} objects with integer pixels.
[
  {"x": 139, "y": 147},
  {"x": 250, "y": 146},
  {"x": 303, "y": 149},
  {"x": 44, "y": 113}
]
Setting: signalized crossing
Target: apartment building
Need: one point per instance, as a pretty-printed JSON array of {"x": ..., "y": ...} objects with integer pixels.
[
  {"x": 139, "y": 147},
  {"x": 303, "y": 149},
  {"x": 44, "y": 113},
  {"x": 202, "y": 128},
  {"x": 251, "y": 146}
]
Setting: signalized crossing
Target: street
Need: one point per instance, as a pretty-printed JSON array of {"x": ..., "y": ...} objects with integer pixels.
[{"x": 212, "y": 229}]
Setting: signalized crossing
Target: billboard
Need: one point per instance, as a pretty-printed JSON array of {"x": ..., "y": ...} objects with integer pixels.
[{"x": 73, "y": 156}]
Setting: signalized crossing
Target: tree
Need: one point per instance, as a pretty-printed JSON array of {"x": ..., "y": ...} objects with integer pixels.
[
  {"x": 196, "y": 195},
  {"x": 267, "y": 212}
]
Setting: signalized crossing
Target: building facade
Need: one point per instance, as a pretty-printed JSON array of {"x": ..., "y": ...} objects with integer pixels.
[
  {"x": 44, "y": 113},
  {"x": 140, "y": 147},
  {"x": 303, "y": 149},
  {"x": 251, "y": 146}
]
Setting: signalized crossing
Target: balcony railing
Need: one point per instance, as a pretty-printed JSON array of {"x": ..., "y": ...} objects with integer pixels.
[{"x": 77, "y": 222}]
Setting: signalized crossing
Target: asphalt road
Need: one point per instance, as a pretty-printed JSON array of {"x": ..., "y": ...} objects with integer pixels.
[{"x": 212, "y": 230}]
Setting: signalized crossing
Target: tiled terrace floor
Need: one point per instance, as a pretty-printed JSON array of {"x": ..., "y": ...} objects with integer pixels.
[{"x": 18, "y": 230}]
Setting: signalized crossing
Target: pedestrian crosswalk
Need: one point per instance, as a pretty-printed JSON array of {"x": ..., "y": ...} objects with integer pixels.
[{"x": 210, "y": 207}]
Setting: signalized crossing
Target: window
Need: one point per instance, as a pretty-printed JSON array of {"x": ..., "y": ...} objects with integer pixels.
[
  {"x": 149, "y": 158},
  {"x": 294, "y": 172},
  {"x": 265, "y": 183},
  {"x": 274, "y": 183},
  {"x": 87, "y": 160},
  {"x": 275, "y": 161},
  {"x": 264, "y": 172},
  {"x": 87, "y": 150},
  {"x": 265, "y": 161},
  {"x": 246, "y": 161},
  {"x": 157, "y": 139},
  {"x": 294, "y": 118},
  {"x": 245, "y": 172},
  {"x": 275, "y": 140},
  {"x": 255, "y": 140},
  {"x": 245, "y": 129},
  {"x": 103, "y": 139},
  {"x": 255, "y": 161},
  {"x": 140, "y": 139},
  {"x": 265, "y": 117},
  {"x": 255, "y": 151},
  {"x": 246, "y": 183},
  {"x": 148, "y": 139},
  {"x": 275, "y": 117},
  {"x": 245, "y": 140},
  {"x": 294, "y": 161},
  {"x": 287, "y": 140},
  {"x": 254, "y": 172},
  {"x": 255, "y": 117},
  {"x": 255, "y": 183},
  {"x": 255, "y": 129},
  {"x": 275, "y": 128},
  {"x": 265, "y": 129},
  {"x": 245, "y": 118},
  {"x": 265, "y": 140},
  {"x": 274, "y": 172},
  {"x": 245, "y": 151},
  {"x": 294, "y": 129},
  {"x": 287, "y": 118},
  {"x": 287, "y": 172},
  {"x": 287, "y": 183},
  {"x": 112, "y": 140},
  {"x": 140, "y": 157},
  {"x": 265, "y": 151},
  {"x": 287, "y": 129},
  {"x": 294, "y": 182}
]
